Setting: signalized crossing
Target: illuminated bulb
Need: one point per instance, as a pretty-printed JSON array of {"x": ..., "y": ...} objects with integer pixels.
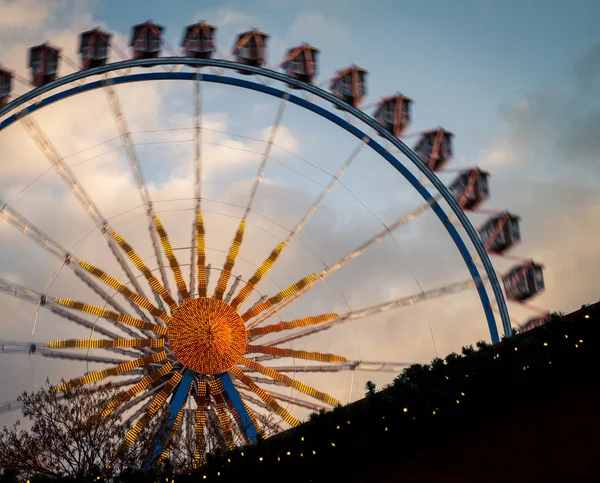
[
  {"x": 301, "y": 455},
  {"x": 278, "y": 458},
  {"x": 447, "y": 377},
  {"x": 347, "y": 422},
  {"x": 208, "y": 407},
  {"x": 405, "y": 410},
  {"x": 549, "y": 362},
  {"x": 337, "y": 427},
  {"x": 516, "y": 348},
  {"x": 457, "y": 401},
  {"x": 333, "y": 444},
  {"x": 288, "y": 453},
  {"x": 218, "y": 473},
  {"x": 576, "y": 346},
  {"x": 382, "y": 417},
  {"x": 302, "y": 438},
  {"x": 545, "y": 344},
  {"x": 386, "y": 428},
  {"x": 434, "y": 413},
  {"x": 462, "y": 393},
  {"x": 203, "y": 477},
  {"x": 566, "y": 336},
  {"x": 580, "y": 341},
  {"x": 260, "y": 459},
  {"x": 228, "y": 460},
  {"x": 242, "y": 453},
  {"x": 586, "y": 316},
  {"x": 314, "y": 452}
]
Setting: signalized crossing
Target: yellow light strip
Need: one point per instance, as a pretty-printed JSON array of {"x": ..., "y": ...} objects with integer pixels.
[
  {"x": 137, "y": 260},
  {"x": 172, "y": 433},
  {"x": 107, "y": 314},
  {"x": 201, "y": 252},
  {"x": 273, "y": 374},
  {"x": 216, "y": 390},
  {"x": 200, "y": 423},
  {"x": 106, "y": 343},
  {"x": 281, "y": 326},
  {"x": 113, "y": 371},
  {"x": 265, "y": 396},
  {"x": 230, "y": 262},
  {"x": 311, "y": 356},
  {"x": 252, "y": 418},
  {"x": 114, "y": 283},
  {"x": 168, "y": 248},
  {"x": 133, "y": 390},
  {"x": 288, "y": 292},
  {"x": 258, "y": 275},
  {"x": 153, "y": 408}
]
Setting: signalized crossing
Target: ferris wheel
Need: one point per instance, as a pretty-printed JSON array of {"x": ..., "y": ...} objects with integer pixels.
[{"x": 207, "y": 348}]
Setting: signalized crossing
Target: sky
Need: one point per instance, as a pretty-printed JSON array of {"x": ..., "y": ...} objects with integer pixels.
[{"x": 516, "y": 82}]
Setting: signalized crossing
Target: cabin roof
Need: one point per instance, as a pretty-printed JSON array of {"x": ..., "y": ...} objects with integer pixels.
[
  {"x": 394, "y": 97},
  {"x": 516, "y": 268},
  {"x": 302, "y": 47},
  {"x": 136, "y": 29},
  {"x": 253, "y": 32},
  {"x": 347, "y": 70},
  {"x": 191, "y": 28},
  {"x": 45, "y": 45},
  {"x": 98, "y": 31}
]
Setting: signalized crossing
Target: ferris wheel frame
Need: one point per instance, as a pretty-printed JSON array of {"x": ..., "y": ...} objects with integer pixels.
[{"x": 330, "y": 116}]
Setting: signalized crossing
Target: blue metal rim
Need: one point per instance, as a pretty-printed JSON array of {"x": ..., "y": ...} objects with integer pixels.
[{"x": 440, "y": 187}]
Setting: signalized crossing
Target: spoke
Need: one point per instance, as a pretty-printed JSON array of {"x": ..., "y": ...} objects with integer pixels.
[
  {"x": 198, "y": 243},
  {"x": 134, "y": 164},
  {"x": 329, "y": 270},
  {"x": 265, "y": 380},
  {"x": 164, "y": 453},
  {"x": 264, "y": 395},
  {"x": 168, "y": 248},
  {"x": 377, "y": 309},
  {"x": 201, "y": 399},
  {"x": 114, "y": 283},
  {"x": 216, "y": 390},
  {"x": 63, "y": 170},
  {"x": 279, "y": 352},
  {"x": 233, "y": 288},
  {"x": 294, "y": 324},
  {"x": 273, "y": 374},
  {"x": 270, "y": 261},
  {"x": 31, "y": 296},
  {"x": 393, "y": 367},
  {"x": 53, "y": 247},
  {"x": 140, "y": 386},
  {"x": 237, "y": 241},
  {"x": 292, "y": 400},
  {"x": 139, "y": 263},
  {"x": 122, "y": 368},
  {"x": 136, "y": 400},
  {"x": 151, "y": 411},
  {"x": 31, "y": 348},
  {"x": 288, "y": 293},
  {"x": 105, "y": 343},
  {"x": 107, "y": 314}
]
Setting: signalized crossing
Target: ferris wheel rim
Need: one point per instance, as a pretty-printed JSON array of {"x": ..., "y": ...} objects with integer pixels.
[{"x": 321, "y": 93}]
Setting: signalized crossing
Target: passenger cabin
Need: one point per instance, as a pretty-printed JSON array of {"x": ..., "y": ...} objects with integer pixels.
[
  {"x": 300, "y": 63},
  {"x": 250, "y": 48},
  {"x": 349, "y": 85},
  {"x": 500, "y": 232},
  {"x": 523, "y": 281},
  {"x": 435, "y": 148},
  {"x": 393, "y": 113},
  {"x": 470, "y": 188},
  {"x": 94, "y": 48},
  {"x": 5, "y": 86},
  {"x": 43, "y": 62},
  {"x": 146, "y": 39},
  {"x": 198, "y": 41}
]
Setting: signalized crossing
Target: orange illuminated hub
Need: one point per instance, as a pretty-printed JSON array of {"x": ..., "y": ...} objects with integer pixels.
[{"x": 207, "y": 335}]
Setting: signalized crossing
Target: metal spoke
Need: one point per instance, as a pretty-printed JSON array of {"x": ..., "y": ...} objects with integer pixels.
[
  {"x": 393, "y": 367},
  {"x": 270, "y": 261},
  {"x": 292, "y": 400},
  {"x": 63, "y": 170},
  {"x": 237, "y": 241},
  {"x": 310, "y": 281},
  {"x": 197, "y": 265},
  {"x": 296, "y": 354},
  {"x": 53, "y": 247},
  {"x": 377, "y": 309},
  {"x": 134, "y": 164}
]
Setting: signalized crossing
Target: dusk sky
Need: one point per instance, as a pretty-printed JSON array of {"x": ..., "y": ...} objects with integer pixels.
[{"x": 517, "y": 82}]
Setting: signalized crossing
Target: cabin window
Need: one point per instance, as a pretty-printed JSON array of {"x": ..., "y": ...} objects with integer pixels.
[
  {"x": 154, "y": 42},
  {"x": 514, "y": 229},
  {"x": 483, "y": 185}
]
